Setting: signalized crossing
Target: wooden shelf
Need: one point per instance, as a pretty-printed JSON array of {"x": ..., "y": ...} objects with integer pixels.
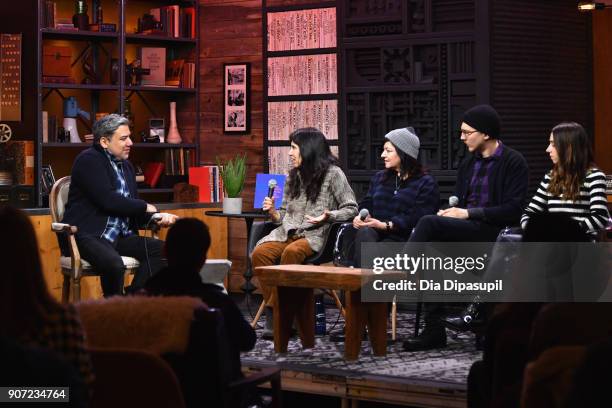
[
  {"x": 52, "y": 33},
  {"x": 160, "y": 39},
  {"x": 93, "y": 87},
  {"x": 159, "y": 89}
]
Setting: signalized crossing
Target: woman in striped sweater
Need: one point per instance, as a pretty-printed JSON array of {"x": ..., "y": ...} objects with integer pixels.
[{"x": 574, "y": 186}]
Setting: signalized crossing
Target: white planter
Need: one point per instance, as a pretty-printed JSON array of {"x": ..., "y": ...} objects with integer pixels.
[{"x": 232, "y": 205}]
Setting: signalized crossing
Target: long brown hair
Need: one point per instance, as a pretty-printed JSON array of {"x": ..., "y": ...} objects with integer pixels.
[
  {"x": 575, "y": 159},
  {"x": 24, "y": 298}
]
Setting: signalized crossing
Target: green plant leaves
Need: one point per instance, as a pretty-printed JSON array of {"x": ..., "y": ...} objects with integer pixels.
[{"x": 233, "y": 174}]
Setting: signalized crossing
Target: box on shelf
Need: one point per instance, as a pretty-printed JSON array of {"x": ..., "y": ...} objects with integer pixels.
[{"x": 56, "y": 61}]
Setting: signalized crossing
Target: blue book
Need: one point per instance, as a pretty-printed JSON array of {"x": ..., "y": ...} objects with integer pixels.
[{"x": 261, "y": 188}]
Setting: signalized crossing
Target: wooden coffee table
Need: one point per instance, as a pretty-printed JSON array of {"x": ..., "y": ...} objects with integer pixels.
[{"x": 293, "y": 287}]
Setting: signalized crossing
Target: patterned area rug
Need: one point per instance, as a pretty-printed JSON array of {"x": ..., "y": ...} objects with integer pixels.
[{"x": 448, "y": 366}]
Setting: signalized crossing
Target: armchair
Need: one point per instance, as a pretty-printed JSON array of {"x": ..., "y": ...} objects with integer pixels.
[
  {"x": 187, "y": 336},
  {"x": 73, "y": 267}
]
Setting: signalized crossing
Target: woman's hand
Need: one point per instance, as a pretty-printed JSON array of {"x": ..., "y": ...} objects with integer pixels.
[
  {"x": 374, "y": 223},
  {"x": 317, "y": 220},
  {"x": 268, "y": 206},
  {"x": 358, "y": 223}
]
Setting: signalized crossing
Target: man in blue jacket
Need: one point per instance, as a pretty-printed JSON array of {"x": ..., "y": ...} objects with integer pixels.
[
  {"x": 491, "y": 190},
  {"x": 103, "y": 203}
]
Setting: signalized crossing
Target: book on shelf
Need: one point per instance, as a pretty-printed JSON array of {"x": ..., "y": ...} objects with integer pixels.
[
  {"x": 45, "y": 126},
  {"x": 178, "y": 160},
  {"x": 49, "y": 14},
  {"x": 209, "y": 183},
  {"x": 177, "y": 22},
  {"x": 152, "y": 173},
  {"x": 188, "y": 75},
  {"x": 153, "y": 58},
  {"x": 22, "y": 152}
]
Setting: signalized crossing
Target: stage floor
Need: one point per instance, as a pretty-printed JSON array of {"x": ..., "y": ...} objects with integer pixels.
[{"x": 436, "y": 378}]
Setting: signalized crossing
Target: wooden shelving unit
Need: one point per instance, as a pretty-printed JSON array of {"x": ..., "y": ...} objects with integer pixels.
[{"x": 106, "y": 91}]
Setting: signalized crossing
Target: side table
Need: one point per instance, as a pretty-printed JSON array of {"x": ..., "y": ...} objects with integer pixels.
[{"x": 249, "y": 217}]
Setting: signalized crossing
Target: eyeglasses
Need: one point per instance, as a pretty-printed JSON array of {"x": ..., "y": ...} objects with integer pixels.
[{"x": 466, "y": 133}]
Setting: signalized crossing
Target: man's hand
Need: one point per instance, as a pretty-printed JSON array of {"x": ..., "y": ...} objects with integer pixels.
[
  {"x": 454, "y": 212},
  {"x": 166, "y": 219},
  {"x": 317, "y": 220},
  {"x": 151, "y": 208}
]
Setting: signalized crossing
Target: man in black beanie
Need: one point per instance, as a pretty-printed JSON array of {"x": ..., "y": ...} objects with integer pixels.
[{"x": 491, "y": 190}]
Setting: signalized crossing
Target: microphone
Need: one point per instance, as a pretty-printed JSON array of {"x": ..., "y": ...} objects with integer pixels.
[
  {"x": 363, "y": 214},
  {"x": 453, "y": 201},
  {"x": 271, "y": 186}
]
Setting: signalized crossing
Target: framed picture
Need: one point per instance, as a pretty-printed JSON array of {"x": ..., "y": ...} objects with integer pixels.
[
  {"x": 236, "y": 100},
  {"x": 47, "y": 179}
]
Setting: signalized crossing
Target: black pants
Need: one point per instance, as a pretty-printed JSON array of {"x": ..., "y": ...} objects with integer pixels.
[
  {"x": 106, "y": 259},
  {"x": 367, "y": 234},
  {"x": 446, "y": 229}
]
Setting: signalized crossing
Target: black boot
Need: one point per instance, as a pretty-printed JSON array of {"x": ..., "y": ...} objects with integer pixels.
[
  {"x": 469, "y": 318},
  {"x": 268, "y": 333},
  {"x": 432, "y": 337}
]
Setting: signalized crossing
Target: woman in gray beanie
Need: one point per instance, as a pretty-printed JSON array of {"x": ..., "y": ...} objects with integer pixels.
[{"x": 398, "y": 196}]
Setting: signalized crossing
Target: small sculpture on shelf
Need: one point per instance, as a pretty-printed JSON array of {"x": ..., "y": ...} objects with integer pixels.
[
  {"x": 80, "y": 18},
  {"x": 134, "y": 73},
  {"x": 173, "y": 133},
  {"x": 71, "y": 112},
  {"x": 149, "y": 25}
]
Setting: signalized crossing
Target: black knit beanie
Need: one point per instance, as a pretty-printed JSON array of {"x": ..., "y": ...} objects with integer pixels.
[{"x": 484, "y": 119}]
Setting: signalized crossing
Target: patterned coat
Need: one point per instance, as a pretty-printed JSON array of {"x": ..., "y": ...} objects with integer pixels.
[{"x": 336, "y": 195}]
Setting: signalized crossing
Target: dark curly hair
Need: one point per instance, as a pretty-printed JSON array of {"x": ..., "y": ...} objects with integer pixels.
[{"x": 316, "y": 159}]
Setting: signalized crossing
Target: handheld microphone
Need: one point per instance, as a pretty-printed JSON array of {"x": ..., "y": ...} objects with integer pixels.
[
  {"x": 271, "y": 186},
  {"x": 453, "y": 201},
  {"x": 363, "y": 214}
]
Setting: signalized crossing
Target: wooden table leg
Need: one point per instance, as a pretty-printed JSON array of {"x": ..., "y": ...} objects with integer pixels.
[
  {"x": 284, "y": 312},
  {"x": 305, "y": 316},
  {"x": 293, "y": 303},
  {"x": 355, "y": 323},
  {"x": 377, "y": 327}
]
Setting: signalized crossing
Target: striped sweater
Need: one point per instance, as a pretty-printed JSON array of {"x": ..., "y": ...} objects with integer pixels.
[{"x": 590, "y": 210}]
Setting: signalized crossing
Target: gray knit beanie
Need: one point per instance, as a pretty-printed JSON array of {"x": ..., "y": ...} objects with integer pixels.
[{"x": 406, "y": 140}]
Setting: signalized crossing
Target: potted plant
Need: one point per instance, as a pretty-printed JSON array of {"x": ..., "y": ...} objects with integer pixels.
[{"x": 233, "y": 173}]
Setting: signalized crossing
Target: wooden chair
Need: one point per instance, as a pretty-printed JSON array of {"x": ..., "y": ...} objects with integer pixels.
[
  {"x": 133, "y": 378},
  {"x": 261, "y": 229},
  {"x": 73, "y": 267}
]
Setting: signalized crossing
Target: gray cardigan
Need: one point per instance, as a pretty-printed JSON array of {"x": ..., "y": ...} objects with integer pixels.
[{"x": 336, "y": 195}]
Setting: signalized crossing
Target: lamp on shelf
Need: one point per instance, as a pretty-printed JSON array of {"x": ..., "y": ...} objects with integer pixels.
[{"x": 591, "y": 5}]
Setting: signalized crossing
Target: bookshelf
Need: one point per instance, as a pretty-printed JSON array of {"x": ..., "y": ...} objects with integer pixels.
[
  {"x": 96, "y": 71},
  {"x": 301, "y": 76}
]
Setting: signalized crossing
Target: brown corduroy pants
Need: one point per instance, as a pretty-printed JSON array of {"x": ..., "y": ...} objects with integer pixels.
[{"x": 292, "y": 251}]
